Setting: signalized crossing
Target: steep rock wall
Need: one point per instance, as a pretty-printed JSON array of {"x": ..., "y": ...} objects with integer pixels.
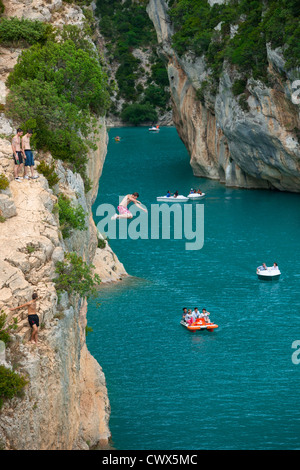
[
  {"x": 255, "y": 148},
  {"x": 65, "y": 404}
]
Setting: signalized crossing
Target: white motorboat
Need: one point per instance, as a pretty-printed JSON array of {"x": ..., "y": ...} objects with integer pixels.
[
  {"x": 269, "y": 274},
  {"x": 196, "y": 196},
  {"x": 154, "y": 129},
  {"x": 179, "y": 198}
]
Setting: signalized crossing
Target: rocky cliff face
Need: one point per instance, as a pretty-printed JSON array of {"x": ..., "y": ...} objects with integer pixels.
[
  {"x": 254, "y": 147},
  {"x": 65, "y": 405}
]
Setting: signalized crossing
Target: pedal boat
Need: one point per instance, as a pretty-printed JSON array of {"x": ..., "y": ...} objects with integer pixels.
[
  {"x": 196, "y": 196},
  {"x": 199, "y": 324},
  {"x": 179, "y": 198},
  {"x": 269, "y": 274}
]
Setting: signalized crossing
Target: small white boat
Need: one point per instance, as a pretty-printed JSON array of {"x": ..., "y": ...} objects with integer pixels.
[
  {"x": 179, "y": 198},
  {"x": 269, "y": 274},
  {"x": 153, "y": 129},
  {"x": 196, "y": 196}
]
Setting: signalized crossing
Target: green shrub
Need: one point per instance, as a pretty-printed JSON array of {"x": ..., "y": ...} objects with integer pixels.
[
  {"x": 244, "y": 103},
  {"x": 5, "y": 330},
  {"x": 239, "y": 86},
  {"x": 159, "y": 73},
  {"x": 15, "y": 30},
  {"x": 58, "y": 88},
  {"x": 11, "y": 384},
  {"x": 139, "y": 113},
  {"x": 49, "y": 172},
  {"x": 70, "y": 218},
  {"x": 4, "y": 183},
  {"x": 101, "y": 243},
  {"x": 75, "y": 276},
  {"x": 156, "y": 96}
]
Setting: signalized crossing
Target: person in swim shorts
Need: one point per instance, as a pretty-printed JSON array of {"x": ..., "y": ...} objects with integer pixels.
[
  {"x": 124, "y": 213},
  {"x": 33, "y": 318},
  {"x": 26, "y": 149},
  {"x": 18, "y": 155}
]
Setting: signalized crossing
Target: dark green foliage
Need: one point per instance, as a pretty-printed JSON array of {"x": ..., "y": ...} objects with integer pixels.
[
  {"x": 101, "y": 243},
  {"x": 257, "y": 23},
  {"x": 57, "y": 88},
  {"x": 15, "y": 31},
  {"x": 11, "y": 384},
  {"x": 70, "y": 218},
  {"x": 71, "y": 72},
  {"x": 156, "y": 96},
  {"x": 244, "y": 103},
  {"x": 49, "y": 172},
  {"x": 139, "y": 113},
  {"x": 159, "y": 73},
  {"x": 75, "y": 276},
  {"x": 127, "y": 26},
  {"x": 239, "y": 86}
]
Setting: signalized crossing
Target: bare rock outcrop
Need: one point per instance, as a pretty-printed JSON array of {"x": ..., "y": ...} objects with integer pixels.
[{"x": 65, "y": 403}]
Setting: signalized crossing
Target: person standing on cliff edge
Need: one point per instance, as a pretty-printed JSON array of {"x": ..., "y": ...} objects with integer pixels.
[
  {"x": 33, "y": 318},
  {"x": 18, "y": 155},
  {"x": 27, "y": 151}
]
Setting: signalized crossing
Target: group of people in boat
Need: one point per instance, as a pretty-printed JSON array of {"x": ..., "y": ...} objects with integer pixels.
[
  {"x": 264, "y": 267},
  {"x": 190, "y": 316},
  {"x": 172, "y": 194},
  {"x": 195, "y": 191},
  {"x": 192, "y": 191}
]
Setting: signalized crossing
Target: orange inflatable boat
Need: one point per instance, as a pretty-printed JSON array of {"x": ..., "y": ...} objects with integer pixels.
[{"x": 199, "y": 324}]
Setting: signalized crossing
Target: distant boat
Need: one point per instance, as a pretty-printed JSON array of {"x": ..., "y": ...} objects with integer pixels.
[
  {"x": 269, "y": 274},
  {"x": 179, "y": 198},
  {"x": 154, "y": 129},
  {"x": 196, "y": 196}
]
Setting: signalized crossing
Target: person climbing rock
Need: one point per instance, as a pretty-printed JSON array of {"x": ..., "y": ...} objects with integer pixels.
[{"x": 33, "y": 318}]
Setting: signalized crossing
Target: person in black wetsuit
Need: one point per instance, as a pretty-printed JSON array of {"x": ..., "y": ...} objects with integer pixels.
[{"x": 33, "y": 318}]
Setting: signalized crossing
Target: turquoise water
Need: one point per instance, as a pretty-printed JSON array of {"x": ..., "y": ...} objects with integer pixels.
[{"x": 236, "y": 387}]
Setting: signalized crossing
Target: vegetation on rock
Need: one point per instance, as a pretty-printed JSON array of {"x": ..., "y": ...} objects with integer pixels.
[
  {"x": 237, "y": 31},
  {"x": 58, "y": 88},
  {"x": 75, "y": 276}
]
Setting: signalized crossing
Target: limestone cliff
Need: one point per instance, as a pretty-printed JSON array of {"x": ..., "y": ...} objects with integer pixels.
[
  {"x": 65, "y": 405},
  {"x": 252, "y": 147}
]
